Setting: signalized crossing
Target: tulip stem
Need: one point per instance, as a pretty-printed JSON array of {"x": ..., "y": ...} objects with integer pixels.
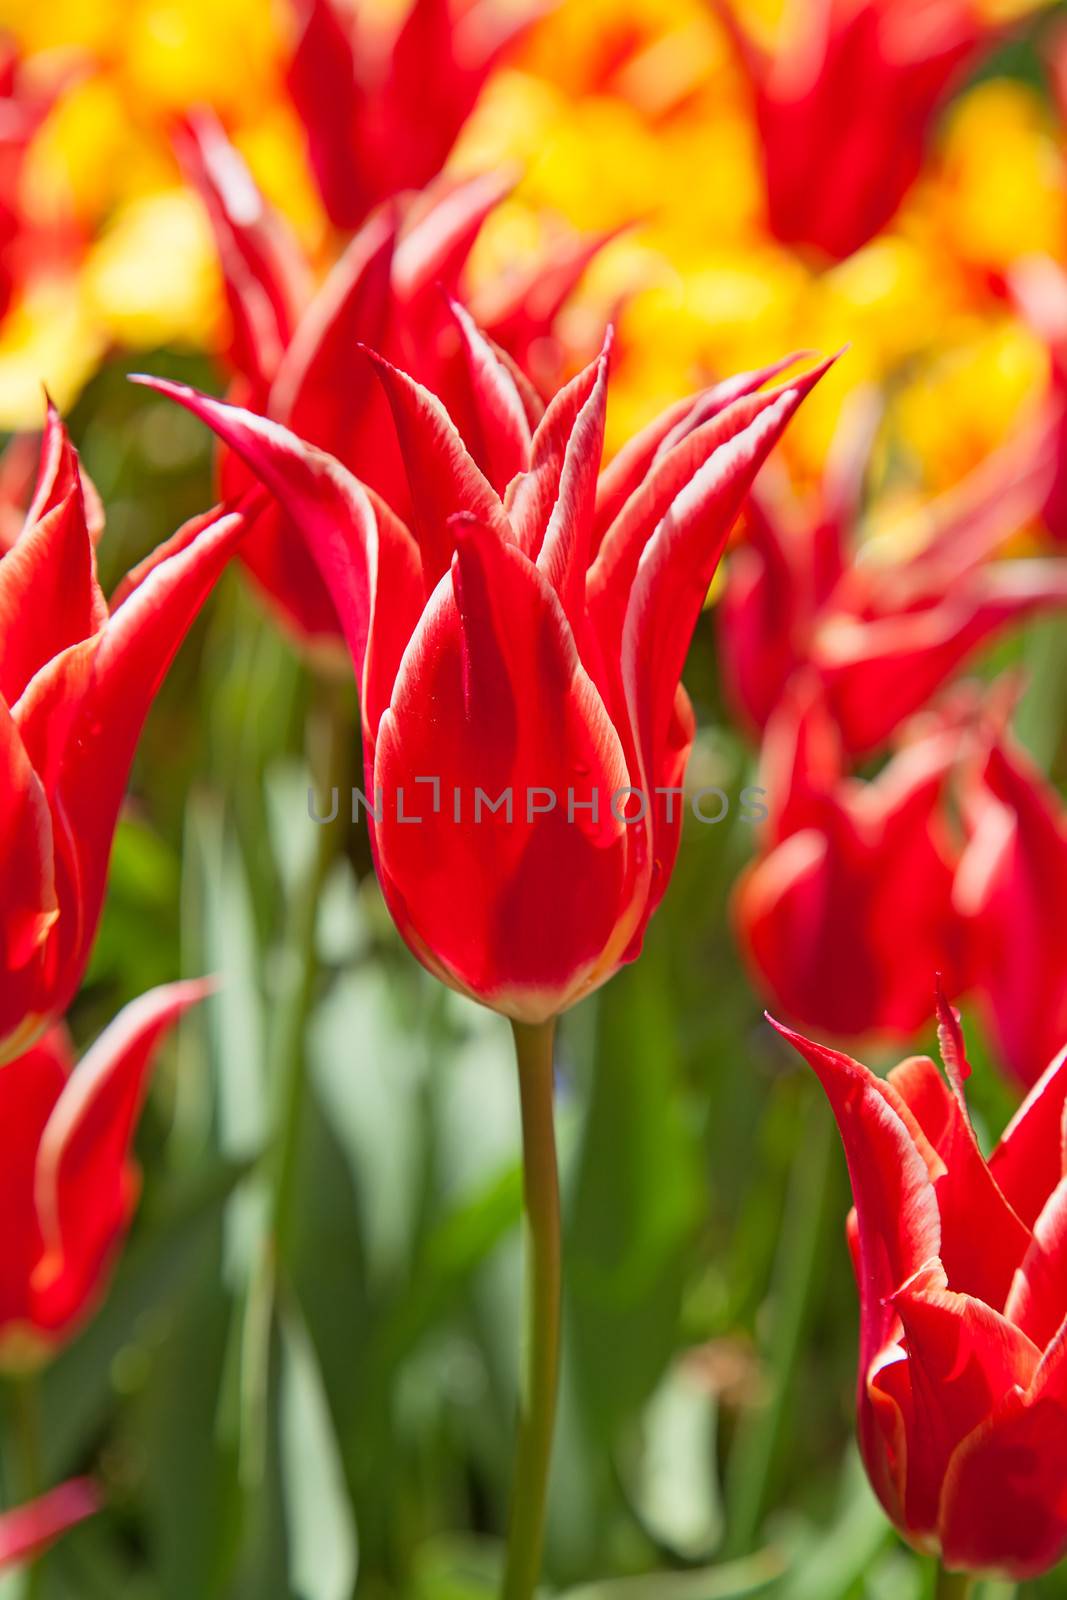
[
  {"x": 298, "y": 986},
  {"x": 953, "y": 1585},
  {"x": 540, "y": 1378},
  {"x": 26, "y": 1408}
]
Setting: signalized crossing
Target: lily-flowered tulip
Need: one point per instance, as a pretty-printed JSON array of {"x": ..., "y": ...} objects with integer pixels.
[
  {"x": 382, "y": 108},
  {"x": 293, "y": 348},
  {"x": 1039, "y": 288},
  {"x": 68, "y": 1181},
  {"x": 882, "y": 632},
  {"x": 23, "y": 108},
  {"x": 844, "y": 105},
  {"x": 76, "y": 682},
  {"x": 962, "y": 1272},
  {"x": 524, "y": 637},
  {"x": 848, "y": 907},
  {"x": 27, "y": 1531},
  {"x": 1010, "y": 892}
]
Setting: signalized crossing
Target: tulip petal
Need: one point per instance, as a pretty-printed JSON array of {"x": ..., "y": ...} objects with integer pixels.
[
  {"x": 670, "y": 583},
  {"x": 627, "y": 471},
  {"x": 438, "y": 239},
  {"x": 85, "y": 1185},
  {"x": 533, "y": 497},
  {"x": 30, "y": 1085},
  {"x": 1029, "y": 1160},
  {"x": 544, "y": 909},
  {"x": 442, "y": 476},
  {"x": 28, "y": 1530},
  {"x": 49, "y": 596},
  {"x": 564, "y": 554},
  {"x": 320, "y": 496},
  {"x": 129, "y": 663},
  {"x": 59, "y": 473},
  {"x": 1010, "y": 885},
  {"x": 1038, "y": 1300},
  {"x": 965, "y": 1361},
  {"x": 322, "y": 81},
  {"x": 319, "y": 391},
  {"x": 879, "y": 671},
  {"x": 503, "y": 444},
  {"x": 27, "y": 875},
  {"x": 267, "y": 281},
  {"x": 719, "y": 457},
  {"x": 520, "y": 315},
  {"x": 890, "y": 1165},
  {"x": 1002, "y": 1506}
]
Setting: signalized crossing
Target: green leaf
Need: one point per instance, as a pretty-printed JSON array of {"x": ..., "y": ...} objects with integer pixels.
[
  {"x": 752, "y": 1576},
  {"x": 673, "y": 1484},
  {"x": 636, "y": 1200},
  {"x": 320, "y": 1528}
]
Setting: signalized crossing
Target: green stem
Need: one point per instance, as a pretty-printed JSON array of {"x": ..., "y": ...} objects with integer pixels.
[
  {"x": 760, "y": 1434},
  {"x": 953, "y": 1585},
  {"x": 540, "y": 1383},
  {"x": 26, "y": 1409},
  {"x": 302, "y": 969}
]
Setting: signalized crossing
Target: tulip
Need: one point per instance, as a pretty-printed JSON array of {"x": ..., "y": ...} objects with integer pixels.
[
  {"x": 76, "y": 682},
  {"x": 293, "y": 350},
  {"x": 27, "y": 1531},
  {"x": 881, "y": 634},
  {"x": 23, "y": 109},
  {"x": 1010, "y": 889},
  {"x": 962, "y": 1385},
  {"x": 519, "y": 650},
  {"x": 542, "y": 575},
  {"x": 1038, "y": 287},
  {"x": 69, "y": 1182},
  {"x": 844, "y": 105},
  {"x": 843, "y": 868},
  {"x": 381, "y": 111}
]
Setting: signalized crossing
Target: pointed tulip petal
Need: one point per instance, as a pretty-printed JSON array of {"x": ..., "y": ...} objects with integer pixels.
[
  {"x": 443, "y": 479},
  {"x": 30, "y": 1085},
  {"x": 889, "y": 1163},
  {"x": 27, "y": 877},
  {"x": 503, "y": 444},
  {"x": 1029, "y": 1160},
  {"x": 28, "y": 1530},
  {"x": 85, "y": 1184},
  {"x": 49, "y": 596}
]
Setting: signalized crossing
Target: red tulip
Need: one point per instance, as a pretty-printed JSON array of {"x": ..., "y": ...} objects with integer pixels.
[
  {"x": 27, "y": 1531},
  {"x": 30, "y": 245},
  {"x": 294, "y": 350},
  {"x": 881, "y": 635},
  {"x": 68, "y": 1181},
  {"x": 1010, "y": 891},
  {"x": 844, "y": 106},
  {"x": 962, "y": 1392},
  {"x": 848, "y": 907},
  {"x": 76, "y": 682},
  {"x": 23, "y": 108},
  {"x": 382, "y": 110},
  {"x": 1039, "y": 288},
  {"x": 525, "y": 636}
]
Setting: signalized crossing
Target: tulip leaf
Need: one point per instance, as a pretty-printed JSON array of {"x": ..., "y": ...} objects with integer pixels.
[
  {"x": 320, "y": 1530},
  {"x": 731, "y": 1581}
]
